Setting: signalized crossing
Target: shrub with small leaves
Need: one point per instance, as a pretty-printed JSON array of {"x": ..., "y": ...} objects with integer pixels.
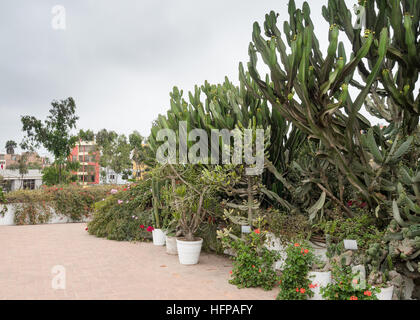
[
  {"x": 253, "y": 265},
  {"x": 295, "y": 283},
  {"x": 345, "y": 286}
]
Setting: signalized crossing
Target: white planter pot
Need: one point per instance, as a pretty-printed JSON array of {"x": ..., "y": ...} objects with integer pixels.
[
  {"x": 171, "y": 246},
  {"x": 159, "y": 237},
  {"x": 320, "y": 279},
  {"x": 385, "y": 293},
  {"x": 189, "y": 251}
]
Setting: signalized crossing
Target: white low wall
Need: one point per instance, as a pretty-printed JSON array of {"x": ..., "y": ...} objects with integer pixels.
[{"x": 8, "y": 218}]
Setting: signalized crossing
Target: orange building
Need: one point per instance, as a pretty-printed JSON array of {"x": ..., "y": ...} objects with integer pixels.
[{"x": 88, "y": 156}]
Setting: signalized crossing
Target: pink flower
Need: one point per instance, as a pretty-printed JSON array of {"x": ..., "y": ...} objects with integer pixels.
[
  {"x": 355, "y": 281},
  {"x": 114, "y": 191},
  {"x": 120, "y": 201}
]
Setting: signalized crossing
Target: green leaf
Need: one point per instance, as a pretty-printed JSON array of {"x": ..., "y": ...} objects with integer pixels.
[{"x": 317, "y": 206}]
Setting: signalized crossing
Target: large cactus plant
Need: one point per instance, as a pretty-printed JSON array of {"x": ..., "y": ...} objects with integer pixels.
[
  {"x": 226, "y": 106},
  {"x": 312, "y": 91}
]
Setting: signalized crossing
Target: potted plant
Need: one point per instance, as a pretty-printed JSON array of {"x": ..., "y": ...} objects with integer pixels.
[
  {"x": 192, "y": 203},
  {"x": 160, "y": 218},
  {"x": 171, "y": 236}
]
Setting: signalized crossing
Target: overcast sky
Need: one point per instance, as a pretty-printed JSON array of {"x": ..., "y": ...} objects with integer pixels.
[{"x": 120, "y": 59}]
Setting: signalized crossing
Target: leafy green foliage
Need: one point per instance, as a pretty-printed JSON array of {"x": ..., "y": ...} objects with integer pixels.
[
  {"x": 124, "y": 215},
  {"x": 10, "y": 146},
  {"x": 54, "y": 133},
  {"x": 344, "y": 288},
  {"x": 71, "y": 201},
  {"x": 295, "y": 283},
  {"x": 253, "y": 263},
  {"x": 361, "y": 228}
]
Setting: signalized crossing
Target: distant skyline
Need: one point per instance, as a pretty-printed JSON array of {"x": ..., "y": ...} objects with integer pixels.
[{"x": 120, "y": 59}]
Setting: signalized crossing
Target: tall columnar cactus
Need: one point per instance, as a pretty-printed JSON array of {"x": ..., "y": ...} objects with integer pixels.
[
  {"x": 156, "y": 201},
  {"x": 402, "y": 64},
  {"x": 312, "y": 91},
  {"x": 226, "y": 106}
]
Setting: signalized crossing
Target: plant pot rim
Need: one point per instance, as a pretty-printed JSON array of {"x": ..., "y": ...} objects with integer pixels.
[{"x": 182, "y": 239}]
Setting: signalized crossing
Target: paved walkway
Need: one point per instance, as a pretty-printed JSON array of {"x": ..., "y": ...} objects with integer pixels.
[{"x": 102, "y": 269}]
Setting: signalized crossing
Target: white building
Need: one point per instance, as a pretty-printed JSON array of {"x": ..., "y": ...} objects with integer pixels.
[
  {"x": 11, "y": 180},
  {"x": 111, "y": 177}
]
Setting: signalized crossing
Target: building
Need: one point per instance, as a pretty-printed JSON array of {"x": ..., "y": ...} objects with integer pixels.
[
  {"x": 11, "y": 180},
  {"x": 32, "y": 158},
  {"x": 110, "y": 177},
  {"x": 139, "y": 170},
  {"x": 87, "y": 154}
]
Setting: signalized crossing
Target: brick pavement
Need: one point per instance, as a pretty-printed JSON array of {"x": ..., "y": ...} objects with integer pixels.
[{"x": 102, "y": 269}]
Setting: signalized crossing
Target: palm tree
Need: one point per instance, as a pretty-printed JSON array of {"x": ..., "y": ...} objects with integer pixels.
[{"x": 10, "y": 147}]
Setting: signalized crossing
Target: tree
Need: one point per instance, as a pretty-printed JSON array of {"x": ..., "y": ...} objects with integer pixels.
[
  {"x": 10, "y": 147},
  {"x": 50, "y": 174},
  {"x": 87, "y": 135},
  {"x": 141, "y": 152},
  {"x": 23, "y": 167},
  {"x": 120, "y": 159},
  {"x": 54, "y": 133},
  {"x": 105, "y": 140}
]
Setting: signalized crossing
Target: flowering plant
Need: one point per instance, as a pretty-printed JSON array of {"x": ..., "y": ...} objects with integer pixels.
[
  {"x": 343, "y": 286},
  {"x": 295, "y": 283},
  {"x": 253, "y": 262}
]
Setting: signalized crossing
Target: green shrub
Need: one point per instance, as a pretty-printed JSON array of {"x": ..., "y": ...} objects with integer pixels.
[
  {"x": 361, "y": 228},
  {"x": 253, "y": 263},
  {"x": 71, "y": 201},
  {"x": 125, "y": 215},
  {"x": 343, "y": 287},
  {"x": 286, "y": 226},
  {"x": 295, "y": 283}
]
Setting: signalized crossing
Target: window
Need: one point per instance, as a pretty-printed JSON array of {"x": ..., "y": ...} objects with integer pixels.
[
  {"x": 29, "y": 184},
  {"x": 112, "y": 177}
]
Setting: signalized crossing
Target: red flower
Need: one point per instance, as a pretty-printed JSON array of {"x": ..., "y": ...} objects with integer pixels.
[
  {"x": 150, "y": 228},
  {"x": 230, "y": 271},
  {"x": 306, "y": 251},
  {"x": 363, "y": 204},
  {"x": 297, "y": 244},
  {"x": 302, "y": 290},
  {"x": 297, "y": 289},
  {"x": 253, "y": 266},
  {"x": 142, "y": 226},
  {"x": 125, "y": 189},
  {"x": 259, "y": 271},
  {"x": 349, "y": 203},
  {"x": 86, "y": 229},
  {"x": 257, "y": 231},
  {"x": 368, "y": 293},
  {"x": 353, "y": 298},
  {"x": 313, "y": 286}
]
